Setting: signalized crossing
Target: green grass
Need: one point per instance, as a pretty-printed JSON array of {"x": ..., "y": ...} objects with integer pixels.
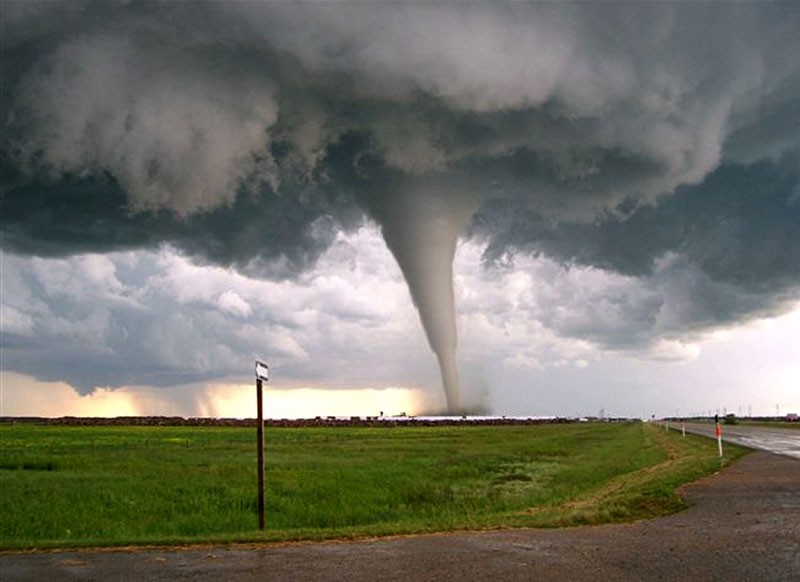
[{"x": 92, "y": 486}]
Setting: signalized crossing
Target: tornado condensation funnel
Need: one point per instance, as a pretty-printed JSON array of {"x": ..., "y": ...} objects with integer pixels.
[{"x": 421, "y": 228}]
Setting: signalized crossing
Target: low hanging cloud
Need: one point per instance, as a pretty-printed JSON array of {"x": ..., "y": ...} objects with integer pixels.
[
  {"x": 656, "y": 142},
  {"x": 156, "y": 318}
]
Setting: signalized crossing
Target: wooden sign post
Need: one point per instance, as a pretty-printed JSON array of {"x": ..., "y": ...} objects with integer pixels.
[{"x": 262, "y": 375}]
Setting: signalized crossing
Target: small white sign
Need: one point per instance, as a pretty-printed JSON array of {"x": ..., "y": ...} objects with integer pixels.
[{"x": 262, "y": 371}]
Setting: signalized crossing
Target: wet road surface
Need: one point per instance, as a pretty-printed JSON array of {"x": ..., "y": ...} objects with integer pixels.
[
  {"x": 781, "y": 441},
  {"x": 743, "y": 524}
]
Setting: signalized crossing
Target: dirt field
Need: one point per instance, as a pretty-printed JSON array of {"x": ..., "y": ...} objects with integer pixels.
[{"x": 744, "y": 524}]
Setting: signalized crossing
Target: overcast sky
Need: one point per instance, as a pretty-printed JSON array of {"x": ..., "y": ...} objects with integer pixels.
[{"x": 189, "y": 186}]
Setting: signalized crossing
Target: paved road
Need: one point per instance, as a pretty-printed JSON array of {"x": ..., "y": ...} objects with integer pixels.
[
  {"x": 743, "y": 524},
  {"x": 781, "y": 441}
]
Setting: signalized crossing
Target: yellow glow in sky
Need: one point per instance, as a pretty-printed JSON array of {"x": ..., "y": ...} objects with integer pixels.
[
  {"x": 24, "y": 396},
  {"x": 239, "y": 401}
]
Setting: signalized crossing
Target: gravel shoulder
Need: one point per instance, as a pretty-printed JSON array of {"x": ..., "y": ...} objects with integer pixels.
[{"x": 743, "y": 524}]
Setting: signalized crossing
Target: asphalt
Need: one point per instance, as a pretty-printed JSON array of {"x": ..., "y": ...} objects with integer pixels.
[
  {"x": 781, "y": 441},
  {"x": 743, "y": 524}
]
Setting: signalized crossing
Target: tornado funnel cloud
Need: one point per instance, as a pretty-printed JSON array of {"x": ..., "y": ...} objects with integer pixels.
[{"x": 421, "y": 228}]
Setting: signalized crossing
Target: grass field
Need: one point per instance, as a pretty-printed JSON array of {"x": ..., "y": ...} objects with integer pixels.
[{"x": 93, "y": 486}]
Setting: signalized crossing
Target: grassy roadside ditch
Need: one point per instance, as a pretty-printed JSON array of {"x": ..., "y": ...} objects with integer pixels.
[{"x": 111, "y": 486}]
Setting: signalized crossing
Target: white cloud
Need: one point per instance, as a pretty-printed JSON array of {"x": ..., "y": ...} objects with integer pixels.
[
  {"x": 231, "y": 302},
  {"x": 15, "y": 322},
  {"x": 313, "y": 333},
  {"x": 348, "y": 322},
  {"x": 171, "y": 135}
]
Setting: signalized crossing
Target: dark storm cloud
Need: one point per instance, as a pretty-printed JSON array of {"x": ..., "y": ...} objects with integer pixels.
[
  {"x": 260, "y": 233},
  {"x": 621, "y": 136},
  {"x": 739, "y": 228},
  {"x": 740, "y": 225}
]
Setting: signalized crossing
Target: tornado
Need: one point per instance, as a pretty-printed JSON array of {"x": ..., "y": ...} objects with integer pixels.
[{"x": 421, "y": 227}]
